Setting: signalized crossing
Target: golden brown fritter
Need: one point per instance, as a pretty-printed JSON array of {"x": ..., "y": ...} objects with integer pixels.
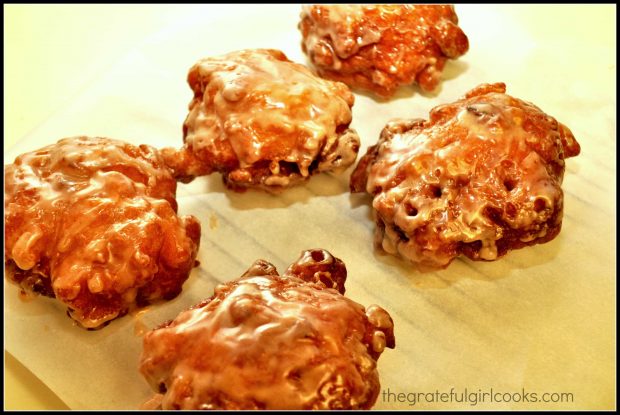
[
  {"x": 266, "y": 341},
  {"x": 93, "y": 223},
  {"x": 264, "y": 122},
  {"x": 481, "y": 177},
  {"x": 381, "y": 47}
]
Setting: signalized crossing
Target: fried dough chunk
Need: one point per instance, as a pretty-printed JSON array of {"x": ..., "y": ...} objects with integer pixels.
[
  {"x": 266, "y": 341},
  {"x": 264, "y": 122},
  {"x": 93, "y": 223},
  {"x": 481, "y": 177},
  {"x": 381, "y": 47}
]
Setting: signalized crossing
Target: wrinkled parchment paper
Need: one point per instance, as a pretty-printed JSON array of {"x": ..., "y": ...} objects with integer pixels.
[{"x": 539, "y": 320}]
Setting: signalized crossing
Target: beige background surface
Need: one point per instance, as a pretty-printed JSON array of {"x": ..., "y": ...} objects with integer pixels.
[{"x": 542, "y": 318}]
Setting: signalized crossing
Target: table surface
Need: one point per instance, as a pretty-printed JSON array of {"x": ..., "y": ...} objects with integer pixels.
[{"x": 51, "y": 62}]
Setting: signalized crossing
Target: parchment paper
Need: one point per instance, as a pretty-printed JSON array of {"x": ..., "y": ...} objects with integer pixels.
[{"x": 539, "y": 320}]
